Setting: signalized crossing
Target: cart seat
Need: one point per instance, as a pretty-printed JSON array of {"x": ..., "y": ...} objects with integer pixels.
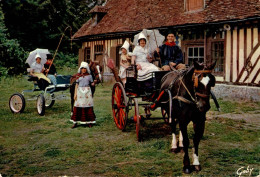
[
  {"x": 63, "y": 83},
  {"x": 63, "y": 79},
  {"x": 146, "y": 87}
]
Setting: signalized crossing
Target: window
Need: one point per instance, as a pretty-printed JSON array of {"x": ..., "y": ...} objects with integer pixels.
[
  {"x": 98, "y": 49},
  {"x": 194, "y": 5},
  {"x": 195, "y": 54},
  {"x": 217, "y": 53},
  {"x": 87, "y": 54}
]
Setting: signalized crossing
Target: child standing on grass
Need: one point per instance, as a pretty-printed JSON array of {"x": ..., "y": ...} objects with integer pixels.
[
  {"x": 83, "y": 112},
  {"x": 125, "y": 61}
]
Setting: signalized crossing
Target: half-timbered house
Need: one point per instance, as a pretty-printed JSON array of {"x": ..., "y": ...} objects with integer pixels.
[{"x": 206, "y": 30}]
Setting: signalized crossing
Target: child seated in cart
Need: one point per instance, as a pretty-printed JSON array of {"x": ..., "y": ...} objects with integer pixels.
[
  {"x": 125, "y": 61},
  {"x": 37, "y": 71},
  {"x": 50, "y": 71},
  {"x": 83, "y": 112}
]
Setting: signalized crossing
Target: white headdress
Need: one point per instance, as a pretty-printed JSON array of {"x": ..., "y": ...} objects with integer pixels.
[
  {"x": 84, "y": 65},
  {"x": 126, "y": 45},
  {"x": 37, "y": 56},
  {"x": 141, "y": 36}
]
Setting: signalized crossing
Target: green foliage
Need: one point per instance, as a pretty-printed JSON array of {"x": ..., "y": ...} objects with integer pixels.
[
  {"x": 68, "y": 60},
  {"x": 12, "y": 56},
  {"x": 29, "y": 24}
]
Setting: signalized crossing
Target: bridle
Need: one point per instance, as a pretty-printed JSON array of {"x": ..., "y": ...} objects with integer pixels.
[
  {"x": 96, "y": 72},
  {"x": 196, "y": 75}
]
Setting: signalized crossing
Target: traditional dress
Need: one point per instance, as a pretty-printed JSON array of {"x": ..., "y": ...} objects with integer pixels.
[
  {"x": 83, "y": 112},
  {"x": 141, "y": 59},
  {"x": 122, "y": 70}
]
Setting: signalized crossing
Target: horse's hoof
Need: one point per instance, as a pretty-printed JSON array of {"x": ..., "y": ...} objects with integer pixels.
[
  {"x": 174, "y": 150},
  {"x": 187, "y": 170},
  {"x": 196, "y": 167}
]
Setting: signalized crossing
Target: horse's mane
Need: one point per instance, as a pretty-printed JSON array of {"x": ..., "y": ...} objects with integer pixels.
[{"x": 172, "y": 76}]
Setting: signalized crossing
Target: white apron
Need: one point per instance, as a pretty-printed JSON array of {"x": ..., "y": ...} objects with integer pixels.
[{"x": 84, "y": 97}]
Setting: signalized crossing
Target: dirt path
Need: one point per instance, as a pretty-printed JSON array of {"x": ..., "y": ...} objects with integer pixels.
[{"x": 250, "y": 118}]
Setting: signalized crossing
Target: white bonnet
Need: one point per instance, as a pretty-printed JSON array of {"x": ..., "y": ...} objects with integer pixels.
[
  {"x": 141, "y": 36},
  {"x": 126, "y": 45},
  {"x": 37, "y": 56},
  {"x": 84, "y": 65}
]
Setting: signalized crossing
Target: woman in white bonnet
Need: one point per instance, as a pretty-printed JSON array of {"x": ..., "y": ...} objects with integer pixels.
[
  {"x": 36, "y": 70},
  {"x": 83, "y": 112},
  {"x": 142, "y": 58},
  {"x": 125, "y": 61}
]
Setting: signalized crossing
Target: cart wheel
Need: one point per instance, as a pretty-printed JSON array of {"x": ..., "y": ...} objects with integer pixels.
[
  {"x": 119, "y": 106},
  {"x": 137, "y": 118},
  {"x": 167, "y": 109},
  {"x": 17, "y": 103},
  {"x": 40, "y": 104},
  {"x": 49, "y": 100}
]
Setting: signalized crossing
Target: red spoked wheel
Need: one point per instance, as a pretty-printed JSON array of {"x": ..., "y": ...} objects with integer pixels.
[{"x": 119, "y": 106}]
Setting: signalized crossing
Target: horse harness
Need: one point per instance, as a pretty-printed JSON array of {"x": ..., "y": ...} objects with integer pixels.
[{"x": 196, "y": 75}]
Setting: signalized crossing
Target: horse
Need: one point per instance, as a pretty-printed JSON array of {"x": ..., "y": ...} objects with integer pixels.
[
  {"x": 190, "y": 89},
  {"x": 96, "y": 72}
]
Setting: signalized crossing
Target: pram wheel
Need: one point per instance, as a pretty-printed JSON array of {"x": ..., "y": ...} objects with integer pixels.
[
  {"x": 49, "y": 100},
  {"x": 40, "y": 104},
  {"x": 17, "y": 103}
]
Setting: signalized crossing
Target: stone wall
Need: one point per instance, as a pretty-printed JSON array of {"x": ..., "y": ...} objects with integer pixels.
[{"x": 235, "y": 92}]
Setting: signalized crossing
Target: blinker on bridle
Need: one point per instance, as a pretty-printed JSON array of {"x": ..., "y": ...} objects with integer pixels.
[{"x": 197, "y": 74}]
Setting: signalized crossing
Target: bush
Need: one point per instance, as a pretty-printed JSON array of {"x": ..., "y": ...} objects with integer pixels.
[
  {"x": 12, "y": 56},
  {"x": 62, "y": 59}
]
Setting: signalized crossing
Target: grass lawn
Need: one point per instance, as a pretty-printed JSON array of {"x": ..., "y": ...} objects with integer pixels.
[{"x": 33, "y": 145}]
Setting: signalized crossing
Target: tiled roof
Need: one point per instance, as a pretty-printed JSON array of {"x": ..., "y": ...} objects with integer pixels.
[
  {"x": 135, "y": 15},
  {"x": 100, "y": 9}
]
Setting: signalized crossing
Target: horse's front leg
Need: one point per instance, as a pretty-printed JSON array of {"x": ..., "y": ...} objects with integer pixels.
[
  {"x": 72, "y": 89},
  {"x": 186, "y": 160},
  {"x": 174, "y": 148},
  {"x": 199, "y": 130},
  {"x": 181, "y": 142},
  {"x": 93, "y": 89}
]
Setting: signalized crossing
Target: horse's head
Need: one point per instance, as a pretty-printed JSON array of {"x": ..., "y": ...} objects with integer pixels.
[
  {"x": 203, "y": 81},
  {"x": 96, "y": 71}
]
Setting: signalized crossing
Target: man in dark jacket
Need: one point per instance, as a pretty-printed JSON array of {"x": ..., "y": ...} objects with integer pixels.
[
  {"x": 171, "y": 54},
  {"x": 50, "y": 70}
]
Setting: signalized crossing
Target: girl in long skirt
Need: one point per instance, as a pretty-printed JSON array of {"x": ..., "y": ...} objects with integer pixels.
[{"x": 83, "y": 112}]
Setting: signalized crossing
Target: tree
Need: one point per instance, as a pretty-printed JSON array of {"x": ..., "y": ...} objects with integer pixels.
[
  {"x": 12, "y": 55},
  {"x": 35, "y": 24}
]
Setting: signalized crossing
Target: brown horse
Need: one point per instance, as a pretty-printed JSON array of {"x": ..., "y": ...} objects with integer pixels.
[
  {"x": 96, "y": 72},
  {"x": 191, "y": 93}
]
